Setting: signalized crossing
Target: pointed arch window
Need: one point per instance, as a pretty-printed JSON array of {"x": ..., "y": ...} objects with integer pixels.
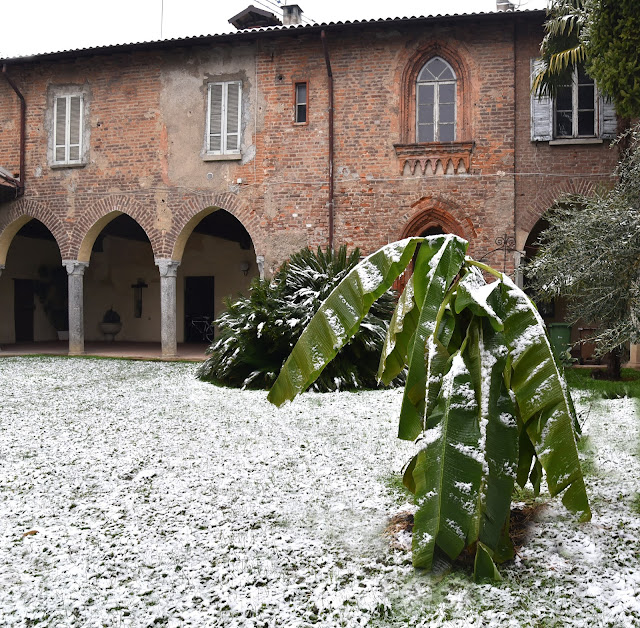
[{"x": 436, "y": 88}]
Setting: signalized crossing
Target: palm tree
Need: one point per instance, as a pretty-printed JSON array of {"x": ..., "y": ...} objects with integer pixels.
[{"x": 563, "y": 46}]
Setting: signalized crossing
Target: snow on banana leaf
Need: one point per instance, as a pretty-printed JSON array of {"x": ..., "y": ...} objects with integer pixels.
[
  {"x": 484, "y": 398},
  {"x": 339, "y": 317},
  {"x": 439, "y": 261},
  {"x": 544, "y": 402}
]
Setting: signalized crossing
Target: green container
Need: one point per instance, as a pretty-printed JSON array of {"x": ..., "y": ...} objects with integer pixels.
[{"x": 560, "y": 335}]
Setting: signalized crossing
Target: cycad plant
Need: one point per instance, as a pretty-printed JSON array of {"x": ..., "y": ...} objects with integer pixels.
[
  {"x": 484, "y": 400},
  {"x": 257, "y": 332}
]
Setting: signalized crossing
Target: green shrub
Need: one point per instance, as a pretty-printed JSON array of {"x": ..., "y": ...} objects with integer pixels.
[{"x": 257, "y": 332}]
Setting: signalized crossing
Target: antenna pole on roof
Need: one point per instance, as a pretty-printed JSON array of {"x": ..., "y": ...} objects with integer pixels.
[{"x": 161, "y": 16}]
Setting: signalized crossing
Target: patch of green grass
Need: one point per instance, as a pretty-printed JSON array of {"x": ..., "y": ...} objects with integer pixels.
[
  {"x": 526, "y": 494},
  {"x": 628, "y": 386},
  {"x": 396, "y": 488}
]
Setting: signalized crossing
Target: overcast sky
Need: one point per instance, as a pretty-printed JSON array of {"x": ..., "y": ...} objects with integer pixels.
[{"x": 34, "y": 26}]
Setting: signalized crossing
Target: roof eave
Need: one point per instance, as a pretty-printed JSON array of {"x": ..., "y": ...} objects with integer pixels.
[{"x": 265, "y": 32}]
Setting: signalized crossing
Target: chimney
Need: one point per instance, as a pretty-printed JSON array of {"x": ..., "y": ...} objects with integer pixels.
[
  {"x": 291, "y": 14},
  {"x": 504, "y": 5}
]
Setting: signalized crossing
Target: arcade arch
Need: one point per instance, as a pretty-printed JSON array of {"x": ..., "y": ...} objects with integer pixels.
[
  {"x": 33, "y": 283},
  {"x": 217, "y": 260},
  {"x": 117, "y": 255}
]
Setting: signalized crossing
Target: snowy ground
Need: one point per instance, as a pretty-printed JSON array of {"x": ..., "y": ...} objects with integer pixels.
[{"x": 159, "y": 500}]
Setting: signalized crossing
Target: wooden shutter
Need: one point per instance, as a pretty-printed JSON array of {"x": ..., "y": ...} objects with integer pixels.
[
  {"x": 541, "y": 110},
  {"x": 60, "y": 130},
  {"x": 75, "y": 128},
  {"x": 608, "y": 119},
  {"x": 67, "y": 129},
  {"x": 232, "y": 139},
  {"x": 214, "y": 140}
]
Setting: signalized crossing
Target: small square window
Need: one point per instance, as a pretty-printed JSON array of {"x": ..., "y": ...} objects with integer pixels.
[{"x": 301, "y": 101}]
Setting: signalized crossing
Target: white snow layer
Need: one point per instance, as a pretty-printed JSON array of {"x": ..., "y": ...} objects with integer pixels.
[{"x": 131, "y": 494}]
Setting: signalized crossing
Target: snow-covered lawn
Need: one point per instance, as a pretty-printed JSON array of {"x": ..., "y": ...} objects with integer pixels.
[{"x": 161, "y": 500}]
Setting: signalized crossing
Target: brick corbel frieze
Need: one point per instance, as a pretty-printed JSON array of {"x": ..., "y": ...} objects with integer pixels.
[{"x": 428, "y": 155}]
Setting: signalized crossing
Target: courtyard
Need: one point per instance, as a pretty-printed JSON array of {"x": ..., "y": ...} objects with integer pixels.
[{"x": 132, "y": 494}]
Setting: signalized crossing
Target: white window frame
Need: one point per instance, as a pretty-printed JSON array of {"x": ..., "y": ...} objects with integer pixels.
[
  {"x": 225, "y": 132},
  {"x": 436, "y": 103},
  {"x": 574, "y": 110},
  {"x": 66, "y": 132}
]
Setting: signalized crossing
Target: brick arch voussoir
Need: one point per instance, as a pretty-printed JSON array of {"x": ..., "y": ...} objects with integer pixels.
[
  {"x": 548, "y": 196},
  {"x": 142, "y": 214},
  {"x": 197, "y": 205},
  {"x": 40, "y": 211},
  {"x": 434, "y": 212}
]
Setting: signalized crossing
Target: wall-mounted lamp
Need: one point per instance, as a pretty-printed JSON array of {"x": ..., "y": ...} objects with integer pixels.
[
  {"x": 244, "y": 267},
  {"x": 137, "y": 297}
]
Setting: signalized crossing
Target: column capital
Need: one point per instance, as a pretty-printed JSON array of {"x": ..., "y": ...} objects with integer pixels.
[
  {"x": 167, "y": 267},
  {"x": 74, "y": 267}
]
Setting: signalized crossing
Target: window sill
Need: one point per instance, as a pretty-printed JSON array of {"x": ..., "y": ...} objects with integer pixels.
[
  {"x": 229, "y": 157},
  {"x": 60, "y": 166},
  {"x": 435, "y": 157},
  {"x": 576, "y": 141}
]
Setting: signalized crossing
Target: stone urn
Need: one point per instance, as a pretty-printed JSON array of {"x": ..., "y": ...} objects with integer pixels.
[{"x": 110, "y": 325}]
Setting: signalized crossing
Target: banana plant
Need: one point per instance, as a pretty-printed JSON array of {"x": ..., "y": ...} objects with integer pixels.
[{"x": 485, "y": 401}]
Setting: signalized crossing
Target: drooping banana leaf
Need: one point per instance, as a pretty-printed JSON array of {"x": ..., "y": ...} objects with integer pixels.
[
  {"x": 448, "y": 469},
  {"x": 544, "y": 401},
  {"x": 486, "y": 357},
  {"x": 479, "y": 297},
  {"x": 401, "y": 329},
  {"x": 484, "y": 567},
  {"x": 439, "y": 261},
  {"x": 339, "y": 317}
]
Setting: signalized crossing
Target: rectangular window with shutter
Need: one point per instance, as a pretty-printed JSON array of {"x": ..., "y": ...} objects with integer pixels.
[
  {"x": 67, "y": 129},
  {"x": 224, "y": 115},
  {"x": 577, "y": 114}
]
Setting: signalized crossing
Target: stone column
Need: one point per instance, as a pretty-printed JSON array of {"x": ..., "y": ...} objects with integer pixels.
[
  {"x": 75, "y": 270},
  {"x": 168, "y": 272},
  {"x": 260, "y": 263},
  {"x": 1, "y": 269},
  {"x": 634, "y": 357},
  {"x": 518, "y": 276}
]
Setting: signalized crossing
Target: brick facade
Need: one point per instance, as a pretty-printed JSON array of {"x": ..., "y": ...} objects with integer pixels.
[{"x": 146, "y": 109}]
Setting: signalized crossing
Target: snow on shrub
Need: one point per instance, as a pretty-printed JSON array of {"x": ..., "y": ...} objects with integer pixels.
[{"x": 257, "y": 332}]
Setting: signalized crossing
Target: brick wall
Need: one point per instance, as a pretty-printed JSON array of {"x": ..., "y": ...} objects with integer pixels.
[{"x": 146, "y": 123}]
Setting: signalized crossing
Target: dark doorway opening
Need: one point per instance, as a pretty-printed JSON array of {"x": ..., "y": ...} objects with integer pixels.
[
  {"x": 198, "y": 309},
  {"x": 23, "y": 309}
]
